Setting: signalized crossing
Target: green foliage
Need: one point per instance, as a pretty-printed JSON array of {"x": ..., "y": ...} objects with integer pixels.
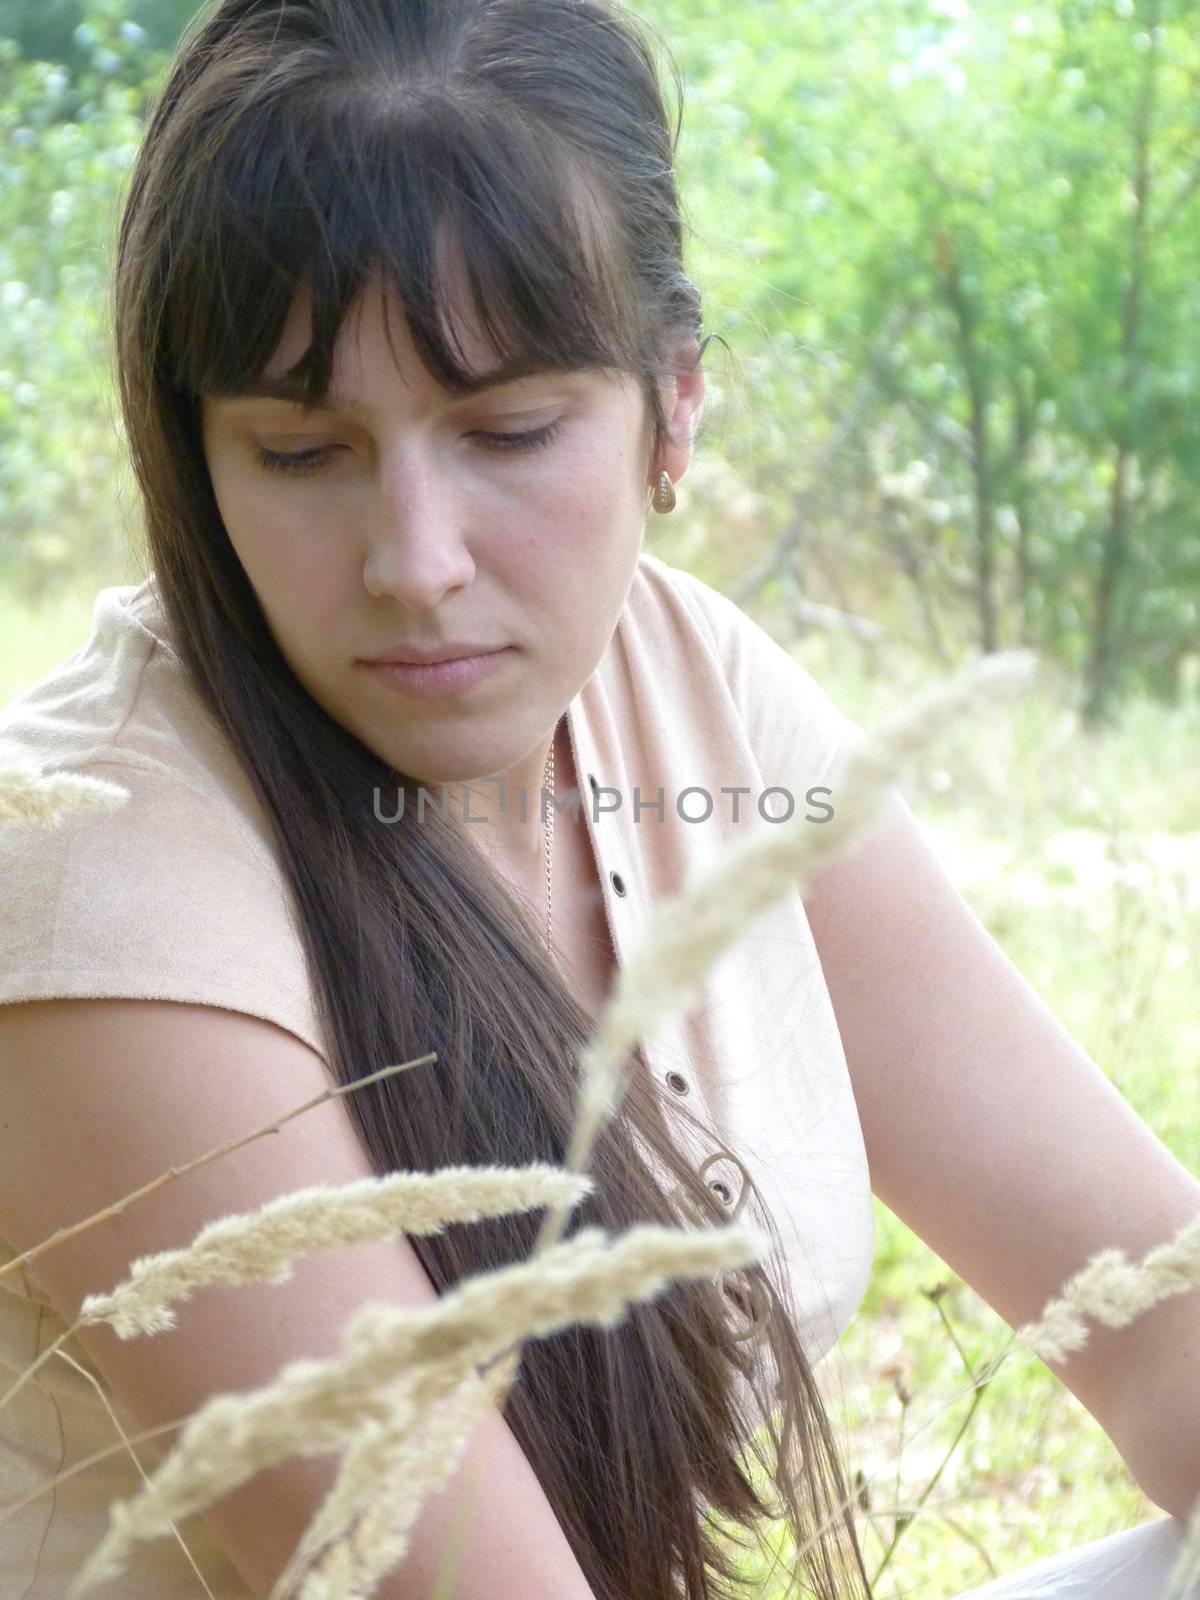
[
  {"x": 952, "y": 249},
  {"x": 1016, "y": 188},
  {"x": 46, "y": 30},
  {"x": 43, "y": 31},
  {"x": 67, "y": 139}
]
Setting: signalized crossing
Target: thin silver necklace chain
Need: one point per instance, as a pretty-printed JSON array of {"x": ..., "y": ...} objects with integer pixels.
[{"x": 548, "y": 835}]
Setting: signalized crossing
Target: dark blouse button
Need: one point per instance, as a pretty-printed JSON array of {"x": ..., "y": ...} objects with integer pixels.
[
  {"x": 677, "y": 1081},
  {"x": 618, "y": 882}
]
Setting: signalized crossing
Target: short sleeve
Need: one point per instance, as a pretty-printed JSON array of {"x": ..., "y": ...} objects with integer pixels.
[
  {"x": 796, "y": 730},
  {"x": 164, "y": 897}
]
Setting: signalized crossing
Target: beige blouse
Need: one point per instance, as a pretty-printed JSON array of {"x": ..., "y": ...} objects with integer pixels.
[{"x": 692, "y": 715}]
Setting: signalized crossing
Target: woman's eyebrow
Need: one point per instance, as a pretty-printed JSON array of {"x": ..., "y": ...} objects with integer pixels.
[{"x": 290, "y": 389}]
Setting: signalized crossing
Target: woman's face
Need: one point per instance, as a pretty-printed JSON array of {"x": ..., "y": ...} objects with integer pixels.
[{"x": 416, "y": 526}]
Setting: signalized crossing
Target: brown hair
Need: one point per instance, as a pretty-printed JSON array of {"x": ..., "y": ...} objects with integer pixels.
[{"x": 311, "y": 142}]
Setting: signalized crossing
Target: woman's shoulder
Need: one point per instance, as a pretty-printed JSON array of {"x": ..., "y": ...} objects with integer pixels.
[
  {"x": 82, "y": 704},
  {"x": 664, "y": 598},
  {"x": 123, "y": 700},
  {"x": 704, "y": 651},
  {"x": 178, "y": 892}
]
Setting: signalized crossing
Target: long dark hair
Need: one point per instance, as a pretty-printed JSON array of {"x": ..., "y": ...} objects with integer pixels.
[{"x": 316, "y": 142}]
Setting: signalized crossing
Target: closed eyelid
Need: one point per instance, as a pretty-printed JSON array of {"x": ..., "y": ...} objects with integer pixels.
[{"x": 318, "y": 430}]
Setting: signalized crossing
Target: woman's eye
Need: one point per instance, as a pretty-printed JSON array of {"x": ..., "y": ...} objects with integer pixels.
[
  {"x": 306, "y": 461},
  {"x": 302, "y": 461},
  {"x": 521, "y": 441}
]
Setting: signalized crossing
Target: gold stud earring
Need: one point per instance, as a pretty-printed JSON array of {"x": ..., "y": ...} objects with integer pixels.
[{"x": 663, "y": 498}]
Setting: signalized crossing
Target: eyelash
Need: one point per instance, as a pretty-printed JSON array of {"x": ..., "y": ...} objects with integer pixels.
[{"x": 306, "y": 461}]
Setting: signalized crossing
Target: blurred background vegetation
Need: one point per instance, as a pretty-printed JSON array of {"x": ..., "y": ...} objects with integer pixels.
[{"x": 951, "y": 250}]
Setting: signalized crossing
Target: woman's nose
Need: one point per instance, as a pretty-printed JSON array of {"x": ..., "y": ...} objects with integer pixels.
[{"x": 415, "y": 546}]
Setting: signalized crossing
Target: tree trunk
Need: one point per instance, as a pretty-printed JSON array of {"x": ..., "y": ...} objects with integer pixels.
[
  {"x": 974, "y": 369},
  {"x": 1100, "y": 673}
]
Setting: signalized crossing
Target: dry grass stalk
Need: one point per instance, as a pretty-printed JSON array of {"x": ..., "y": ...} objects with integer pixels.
[
  {"x": 262, "y": 1246},
  {"x": 1115, "y": 1292},
  {"x": 128, "y": 1444},
  {"x": 317, "y": 1406},
  {"x": 405, "y": 1461},
  {"x": 32, "y": 798}
]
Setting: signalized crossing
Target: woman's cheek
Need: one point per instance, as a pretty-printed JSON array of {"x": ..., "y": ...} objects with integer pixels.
[{"x": 275, "y": 536}]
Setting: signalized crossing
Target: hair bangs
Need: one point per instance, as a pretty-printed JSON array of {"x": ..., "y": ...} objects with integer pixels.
[{"x": 476, "y": 219}]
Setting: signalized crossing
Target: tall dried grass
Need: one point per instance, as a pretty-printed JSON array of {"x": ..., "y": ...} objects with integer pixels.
[{"x": 403, "y": 1395}]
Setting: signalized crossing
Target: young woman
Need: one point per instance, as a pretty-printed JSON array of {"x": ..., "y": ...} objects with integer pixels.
[{"x": 406, "y": 354}]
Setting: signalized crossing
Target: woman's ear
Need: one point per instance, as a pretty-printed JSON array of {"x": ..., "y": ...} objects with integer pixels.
[{"x": 683, "y": 398}]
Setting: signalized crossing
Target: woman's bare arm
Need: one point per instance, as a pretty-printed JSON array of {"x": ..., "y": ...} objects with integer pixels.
[
  {"x": 98, "y": 1097},
  {"x": 993, "y": 1135}
]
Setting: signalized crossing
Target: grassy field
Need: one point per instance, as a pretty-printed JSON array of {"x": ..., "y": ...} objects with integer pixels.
[{"x": 1081, "y": 854}]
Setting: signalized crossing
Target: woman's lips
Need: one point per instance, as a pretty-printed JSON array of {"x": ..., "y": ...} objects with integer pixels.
[{"x": 440, "y": 678}]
